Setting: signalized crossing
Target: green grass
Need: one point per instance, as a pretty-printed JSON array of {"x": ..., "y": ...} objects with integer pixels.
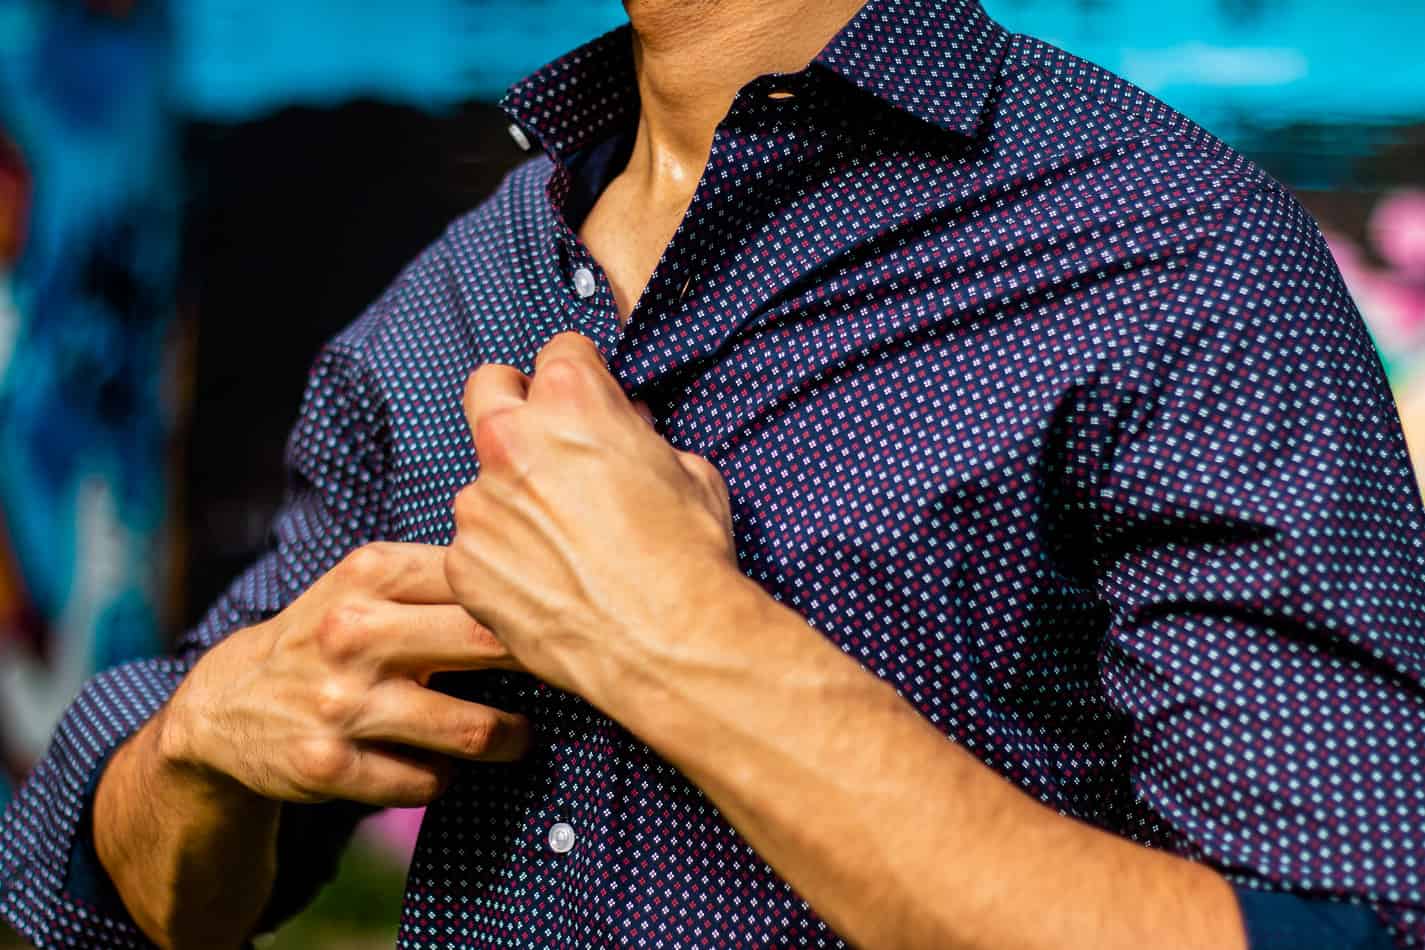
[{"x": 358, "y": 910}]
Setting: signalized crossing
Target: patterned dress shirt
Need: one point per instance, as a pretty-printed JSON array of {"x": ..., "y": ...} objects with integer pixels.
[{"x": 1033, "y": 396}]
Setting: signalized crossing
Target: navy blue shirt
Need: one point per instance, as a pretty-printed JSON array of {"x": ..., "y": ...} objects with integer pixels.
[{"x": 1032, "y": 395}]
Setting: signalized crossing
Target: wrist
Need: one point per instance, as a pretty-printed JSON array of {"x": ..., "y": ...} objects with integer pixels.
[
  {"x": 722, "y": 621},
  {"x": 178, "y": 760},
  {"x": 181, "y": 743},
  {"x": 174, "y": 744}
]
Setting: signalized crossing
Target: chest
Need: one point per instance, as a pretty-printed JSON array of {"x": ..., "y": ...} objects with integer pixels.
[
  {"x": 627, "y": 232},
  {"x": 900, "y": 382},
  {"x": 900, "y": 500}
]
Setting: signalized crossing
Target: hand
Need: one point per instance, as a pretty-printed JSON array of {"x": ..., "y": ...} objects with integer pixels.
[
  {"x": 588, "y": 542},
  {"x": 328, "y": 699}
]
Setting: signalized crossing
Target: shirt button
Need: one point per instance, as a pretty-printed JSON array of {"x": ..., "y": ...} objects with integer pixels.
[
  {"x": 584, "y": 284},
  {"x": 520, "y": 138},
  {"x": 561, "y": 837}
]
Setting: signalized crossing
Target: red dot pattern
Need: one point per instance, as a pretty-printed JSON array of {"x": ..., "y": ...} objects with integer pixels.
[{"x": 1033, "y": 396}]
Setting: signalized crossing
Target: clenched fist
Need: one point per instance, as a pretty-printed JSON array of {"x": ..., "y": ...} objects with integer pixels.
[{"x": 588, "y": 543}]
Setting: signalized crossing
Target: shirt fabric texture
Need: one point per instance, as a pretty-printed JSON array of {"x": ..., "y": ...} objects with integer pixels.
[{"x": 1033, "y": 396}]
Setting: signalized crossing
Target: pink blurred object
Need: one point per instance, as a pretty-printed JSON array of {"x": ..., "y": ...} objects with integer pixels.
[
  {"x": 1374, "y": 293},
  {"x": 1398, "y": 231},
  {"x": 1393, "y": 308},
  {"x": 1392, "y": 301},
  {"x": 395, "y": 830},
  {"x": 1406, "y": 301}
]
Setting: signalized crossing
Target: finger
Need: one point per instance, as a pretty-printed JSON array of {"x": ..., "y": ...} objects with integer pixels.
[
  {"x": 405, "y": 712},
  {"x": 492, "y": 388},
  {"x": 644, "y": 411},
  {"x": 397, "y": 571},
  {"x": 571, "y": 372},
  {"x": 704, "y": 472},
  {"x": 571, "y": 346},
  {"x": 430, "y": 638},
  {"x": 710, "y": 481},
  {"x": 392, "y": 777}
]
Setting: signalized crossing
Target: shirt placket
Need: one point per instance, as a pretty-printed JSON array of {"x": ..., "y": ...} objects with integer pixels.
[{"x": 593, "y": 812}]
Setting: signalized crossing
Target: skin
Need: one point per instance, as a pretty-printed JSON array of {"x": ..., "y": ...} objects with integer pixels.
[
  {"x": 630, "y": 597},
  {"x": 691, "y": 58}
]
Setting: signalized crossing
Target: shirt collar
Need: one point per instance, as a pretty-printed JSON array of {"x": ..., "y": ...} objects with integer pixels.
[{"x": 934, "y": 59}]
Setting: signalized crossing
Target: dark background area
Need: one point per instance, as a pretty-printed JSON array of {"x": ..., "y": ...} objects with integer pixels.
[{"x": 296, "y": 223}]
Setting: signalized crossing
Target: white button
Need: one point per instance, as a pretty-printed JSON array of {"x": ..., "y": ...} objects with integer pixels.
[
  {"x": 561, "y": 837},
  {"x": 584, "y": 284},
  {"x": 520, "y": 138}
]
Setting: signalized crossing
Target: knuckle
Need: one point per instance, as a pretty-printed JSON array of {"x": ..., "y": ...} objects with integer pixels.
[
  {"x": 425, "y": 788},
  {"x": 703, "y": 470},
  {"x": 323, "y": 764},
  {"x": 565, "y": 373},
  {"x": 342, "y": 634},
  {"x": 462, "y": 559},
  {"x": 367, "y": 563},
  {"x": 444, "y": 778},
  {"x": 494, "y": 437},
  {"x": 570, "y": 341},
  {"x": 467, "y": 504},
  {"x": 336, "y": 703},
  {"x": 438, "y": 778}
]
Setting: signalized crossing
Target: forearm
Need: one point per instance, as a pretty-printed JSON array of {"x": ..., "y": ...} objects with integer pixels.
[
  {"x": 898, "y": 837},
  {"x": 191, "y": 853}
]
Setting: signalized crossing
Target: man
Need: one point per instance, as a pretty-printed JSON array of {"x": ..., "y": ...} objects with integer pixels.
[{"x": 1010, "y": 541}]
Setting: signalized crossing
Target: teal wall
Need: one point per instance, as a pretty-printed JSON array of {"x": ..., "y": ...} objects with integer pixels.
[{"x": 1269, "y": 61}]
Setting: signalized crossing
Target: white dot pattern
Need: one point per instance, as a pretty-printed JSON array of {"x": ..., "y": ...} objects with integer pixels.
[{"x": 1033, "y": 396}]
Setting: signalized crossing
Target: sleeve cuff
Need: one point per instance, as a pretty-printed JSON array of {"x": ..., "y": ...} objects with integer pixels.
[
  {"x": 86, "y": 878},
  {"x": 1283, "y": 921}
]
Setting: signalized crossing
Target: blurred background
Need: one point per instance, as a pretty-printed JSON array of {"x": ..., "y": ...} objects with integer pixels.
[{"x": 195, "y": 194}]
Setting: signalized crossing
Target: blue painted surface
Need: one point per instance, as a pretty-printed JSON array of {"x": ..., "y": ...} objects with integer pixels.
[
  {"x": 84, "y": 425},
  {"x": 1275, "y": 61},
  {"x": 237, "y": 58}
]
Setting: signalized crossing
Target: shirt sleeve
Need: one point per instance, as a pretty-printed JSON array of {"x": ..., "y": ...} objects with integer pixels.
[
  {"x": 53, "y": 890},
  {"x": 1260, "y": 547}
]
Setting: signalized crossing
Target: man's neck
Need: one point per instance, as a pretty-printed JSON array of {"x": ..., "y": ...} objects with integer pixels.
[{"x": 692, "y": 57}]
